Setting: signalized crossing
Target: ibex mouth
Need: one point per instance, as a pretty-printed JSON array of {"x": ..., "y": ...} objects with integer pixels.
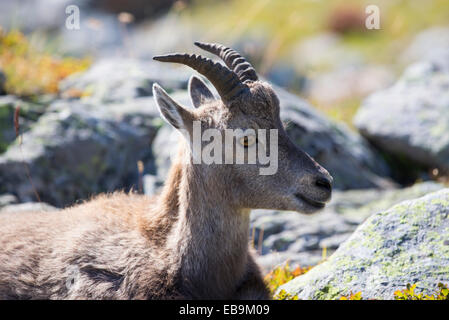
[{"x": 310, "y": 202}]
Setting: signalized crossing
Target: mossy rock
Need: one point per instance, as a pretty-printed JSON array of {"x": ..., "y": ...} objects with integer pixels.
[
  {"x": 29, "y": 112},
  {"x": 406, "y": 244},
  {"x": 411, "y": 119}
]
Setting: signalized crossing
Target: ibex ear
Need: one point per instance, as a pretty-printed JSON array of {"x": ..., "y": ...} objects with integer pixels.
[
  {"x": 171, "y": 111},
  {"x": 199, "y": 92}
]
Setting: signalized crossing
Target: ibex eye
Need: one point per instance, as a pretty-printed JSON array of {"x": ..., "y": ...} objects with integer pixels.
[{"x": 247, "y": 141}]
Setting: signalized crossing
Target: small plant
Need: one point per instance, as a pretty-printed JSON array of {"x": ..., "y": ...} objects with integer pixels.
[
  {"x": 30, "y": 72},
  {"x": 280, "y": 275},
  {"x": 353, "y": 296},
  {"x": 409, "y": 293}
]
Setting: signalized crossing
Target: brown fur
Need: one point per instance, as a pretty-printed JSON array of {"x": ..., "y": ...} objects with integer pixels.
[{"x": 190, "y": 242}]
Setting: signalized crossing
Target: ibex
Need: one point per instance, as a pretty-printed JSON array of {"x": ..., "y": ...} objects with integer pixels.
[{"x": 192, "y": 240}]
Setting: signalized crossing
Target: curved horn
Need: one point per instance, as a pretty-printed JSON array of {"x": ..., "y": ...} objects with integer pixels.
[
  {"x": 224, "y": 80},
  {"x": 233, "y": 60}
]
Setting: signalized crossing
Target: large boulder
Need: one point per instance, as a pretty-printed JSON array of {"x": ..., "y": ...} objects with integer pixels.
[
  {"x": 411, "y": 118},
  {"x": 303, "y": 239},
  {"x": 27, "y": 207},
  {"x": 405, "y": 244},
  {"x": 2, "y": 83},
  {"x": 113, "y": 80},
  {"x": 436, "y": 38},
  {"x": 78, "y": 149}
]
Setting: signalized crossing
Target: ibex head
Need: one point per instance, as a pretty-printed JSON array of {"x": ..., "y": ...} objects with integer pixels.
[{"x": 298, "y": 183}]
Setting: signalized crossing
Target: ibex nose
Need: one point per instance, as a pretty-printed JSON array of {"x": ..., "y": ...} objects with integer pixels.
[{"x": 324, "y": 183}]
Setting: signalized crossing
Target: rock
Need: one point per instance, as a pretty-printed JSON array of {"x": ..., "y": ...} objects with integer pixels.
[
  {"x": 323, "y": 52},
  {"x": 335, "y": 72},
  {"x": 357, "y": 205},
  {"x": 139, "y": 8},
  {"x": 78, "y": 149},
  {"x": 345, "y": 154},
  {"x": 333, "y": 242},
  {"x": 165, "y": 148},
  {"x": 2, "y": 83},
  {"x": 150, "y": 184},
  {"x": 45, "y": 15},
  {"x": 411, "y": 118},
  {"x": 405, "y": 244},
  {"x": 8, "y": 199},
  {"x": 436, "y": 38},
  {"x": 303, "y": 239},
  {"x": 28, "y": 114},
  {"x": 282, "y": 74},
  {"x": 99, "y": 35},
  {"x": 113, "y": 80},
  {"x": 347, "y": 82},
  {"x": 26, "y": 207}
]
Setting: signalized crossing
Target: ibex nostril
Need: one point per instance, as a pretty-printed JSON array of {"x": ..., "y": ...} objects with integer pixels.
[{"x": 323, "y": 183}]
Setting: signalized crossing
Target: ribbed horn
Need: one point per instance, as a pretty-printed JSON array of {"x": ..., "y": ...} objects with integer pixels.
[
  {"x": 232, "y": 59},
  {"x": 224, "y": 80}
]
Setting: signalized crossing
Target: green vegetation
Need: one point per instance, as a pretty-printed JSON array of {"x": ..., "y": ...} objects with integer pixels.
[
  {"x": 280, "y": 275},
  {"x": 283, "y": 274},
  {"x": 31, "y": 72},
  {"x": 409, "y": 293}
]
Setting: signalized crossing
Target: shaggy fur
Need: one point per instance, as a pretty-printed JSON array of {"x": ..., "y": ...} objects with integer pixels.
[{"x": 191, "y": 241}]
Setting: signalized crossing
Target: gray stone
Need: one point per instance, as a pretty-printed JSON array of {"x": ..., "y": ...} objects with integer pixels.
[
  {"x": 357, "y": 205},
  {"x": 27, "y": 207},
  {"x": 323, "y": 52},
  {"x": 347, "y": 82},
  {"x": 113, "y": 80},
  {"x": 79, "y": 149},
  {"x": 28, "y": 114},
  {"x": 7, "y": 199},
  {"x": 345, "y": 154},
  {"x": 29, "y": 15},
  {"x": 405, "y": 244},
  {"x": 429, "y": 45},
  {"x": 411, "y": 118},
  {"x": 150, "y": 184}
]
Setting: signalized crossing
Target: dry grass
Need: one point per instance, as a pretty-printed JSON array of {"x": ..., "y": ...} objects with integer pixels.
[{"x": 30, "y": 72}]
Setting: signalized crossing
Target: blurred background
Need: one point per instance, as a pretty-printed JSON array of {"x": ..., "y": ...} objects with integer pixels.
[
  {"x": 320, "y": 49},
  {"x": 371, "y": 105}
]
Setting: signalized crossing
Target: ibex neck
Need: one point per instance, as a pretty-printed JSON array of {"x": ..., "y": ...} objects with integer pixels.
[{"x": 209, "y": 241}]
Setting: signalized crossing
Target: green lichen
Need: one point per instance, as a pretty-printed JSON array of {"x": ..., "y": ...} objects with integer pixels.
[
  {"x": 405, "y": 243},
  {"x": 328, "y": 293}
]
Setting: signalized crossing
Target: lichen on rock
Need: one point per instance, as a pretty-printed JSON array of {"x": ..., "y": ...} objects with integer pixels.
[{"x": 405, "y": 244}]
